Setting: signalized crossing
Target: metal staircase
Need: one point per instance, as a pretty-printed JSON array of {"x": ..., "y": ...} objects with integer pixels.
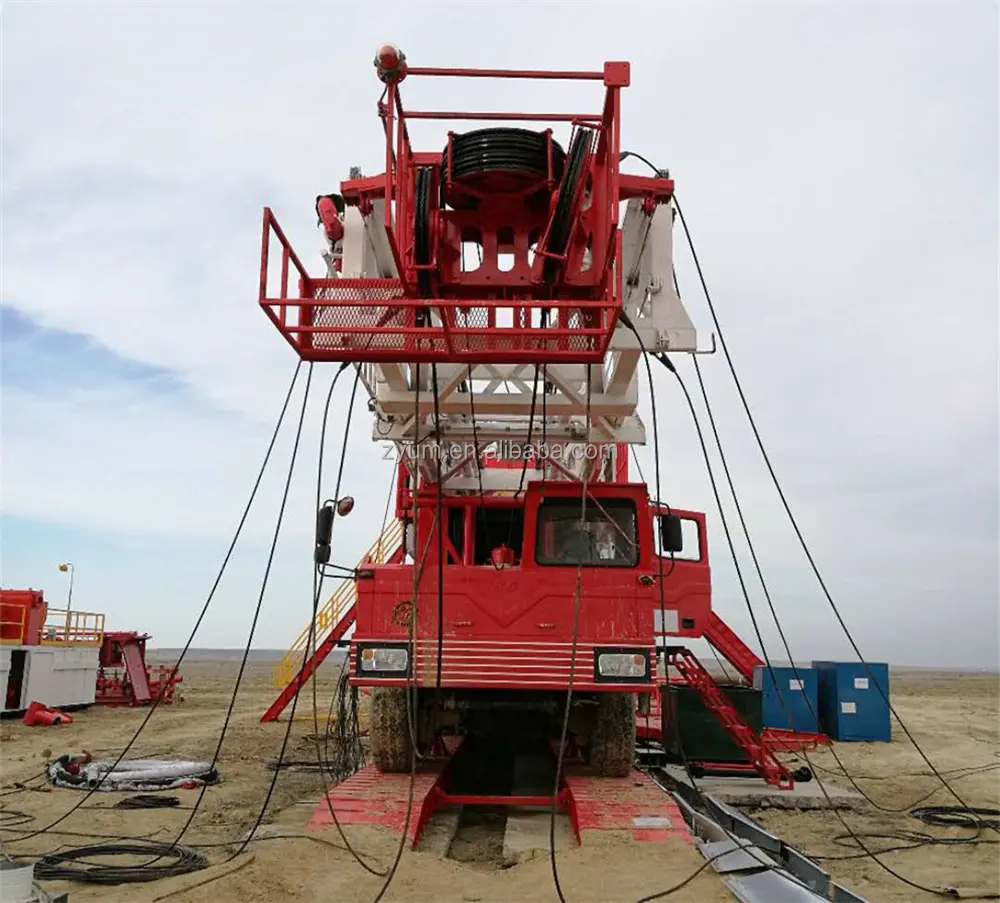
[
  {"x": 731, "y": 647},
  {"x": 760, "y": 755},
  {"x": 332, "y": 621}
]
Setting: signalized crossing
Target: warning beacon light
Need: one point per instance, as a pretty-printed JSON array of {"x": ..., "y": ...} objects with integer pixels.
[{"x": 390, "y": 64}]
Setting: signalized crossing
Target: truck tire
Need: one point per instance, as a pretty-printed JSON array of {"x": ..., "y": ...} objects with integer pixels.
[
  {"x": 390, "y": 733},
  {"x": 612, "y": 743}
]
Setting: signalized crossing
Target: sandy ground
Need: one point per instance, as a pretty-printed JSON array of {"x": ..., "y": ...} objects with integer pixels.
[{"x": 955, "y": 718}]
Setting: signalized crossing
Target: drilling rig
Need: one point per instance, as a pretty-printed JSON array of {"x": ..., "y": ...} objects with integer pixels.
[{"x": 496, "y": 294}]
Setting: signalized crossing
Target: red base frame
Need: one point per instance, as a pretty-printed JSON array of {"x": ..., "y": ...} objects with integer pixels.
[
  {"x": 634, "y": 803},
  {"x": 115, "y": 691}
]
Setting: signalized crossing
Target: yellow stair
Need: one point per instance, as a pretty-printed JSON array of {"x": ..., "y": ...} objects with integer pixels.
[{"x": 342, "y": 598}]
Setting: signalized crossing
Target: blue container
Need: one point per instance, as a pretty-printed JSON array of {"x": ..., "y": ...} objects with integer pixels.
[
  {"x": 798, "y": 707},
  {"x": 851, "y": 706}
]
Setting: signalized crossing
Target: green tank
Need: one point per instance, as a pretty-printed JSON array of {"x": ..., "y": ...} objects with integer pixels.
[{"x": 688, "y": 725}]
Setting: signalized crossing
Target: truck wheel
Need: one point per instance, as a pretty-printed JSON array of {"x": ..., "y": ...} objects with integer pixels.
[
  {"x": 612, "y": 743},
  {"x": 390, "y": 733}
]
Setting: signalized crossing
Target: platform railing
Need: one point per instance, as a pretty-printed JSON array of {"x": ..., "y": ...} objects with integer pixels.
[
  {"x": 342, "y": 598},
  {"x": 64, "y": 627},
  {"x": 368, "y": 320}
]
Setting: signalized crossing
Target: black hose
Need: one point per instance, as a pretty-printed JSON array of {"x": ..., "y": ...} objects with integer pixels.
[
  {"x": 201, "y": 615},
  {"x": 958, "y": 816},
  {"x": 148, "y": 801},
  {"x": 560, "y": 232},
  {"x": 304, "y": 764},
  {"x": 178, "y": 861}
]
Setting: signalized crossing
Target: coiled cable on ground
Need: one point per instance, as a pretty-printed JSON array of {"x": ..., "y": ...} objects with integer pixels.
[
  {"x": 75, "y": 865},
  {"x": 958, "y": 817},
  {"x": 975, "y": 819}
]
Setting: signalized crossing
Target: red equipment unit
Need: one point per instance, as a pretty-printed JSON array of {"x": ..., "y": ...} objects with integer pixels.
[
  {"x": 500, "y": 250},
  {"x": 38, "y": 715},
  {"x": 22, "y": 615},
  {"x": 134, "y": 684}
]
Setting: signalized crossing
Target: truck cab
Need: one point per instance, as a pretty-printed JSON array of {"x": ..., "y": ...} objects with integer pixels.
[{"x": 512, "y": 597}]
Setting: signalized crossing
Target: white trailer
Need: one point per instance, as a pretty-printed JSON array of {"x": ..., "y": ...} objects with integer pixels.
[{"x": 59, "y": 663}]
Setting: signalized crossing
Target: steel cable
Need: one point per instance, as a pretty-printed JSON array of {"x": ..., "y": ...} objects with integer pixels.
[
  {"x": 208, "y": 601},
  {"x": 788, "y": 510},
  {"x": 666, "y": 362}
]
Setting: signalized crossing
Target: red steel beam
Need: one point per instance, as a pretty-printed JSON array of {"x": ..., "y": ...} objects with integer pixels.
[
  {"x": 601, "y": 307},
  {"x": 632, "y": 186},
  {"x": 556, "y": 74},
  {"x": 478, "y": 799},
  {"x": 504, "y": 117},
  {"x": 731, "y": 647}
]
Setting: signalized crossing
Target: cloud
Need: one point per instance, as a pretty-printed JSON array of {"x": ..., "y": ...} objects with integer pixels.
[
  {"x": 141, "y": 483},
  {"x": 837, "y": 168},
  {"x": 118, "y": 447}
]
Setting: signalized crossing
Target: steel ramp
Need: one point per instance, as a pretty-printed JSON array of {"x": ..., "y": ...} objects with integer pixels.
[
  {"x": 635, "y": 804},
  {"x": 371, "y": 797},
  {"x": 136, "y": 669}
]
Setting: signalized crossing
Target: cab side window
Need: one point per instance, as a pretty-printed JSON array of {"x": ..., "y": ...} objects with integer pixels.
[{"x": 690, "y": 535}]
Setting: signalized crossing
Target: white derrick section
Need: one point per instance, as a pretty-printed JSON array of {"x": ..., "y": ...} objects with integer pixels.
[{"x": 501, "y": 395}]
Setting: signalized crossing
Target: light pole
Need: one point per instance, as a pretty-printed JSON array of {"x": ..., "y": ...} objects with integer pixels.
[{"x": 67, "y": 566}]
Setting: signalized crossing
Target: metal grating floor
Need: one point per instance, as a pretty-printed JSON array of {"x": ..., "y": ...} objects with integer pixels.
[
  {"x": 371, "y": 797},
  {"x": 635, "y": 804}
]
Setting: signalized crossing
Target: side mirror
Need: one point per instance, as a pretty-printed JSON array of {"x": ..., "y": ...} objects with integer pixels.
[
  {"x": 324, "y": 530},
  {"x": 671, "y": 534}
]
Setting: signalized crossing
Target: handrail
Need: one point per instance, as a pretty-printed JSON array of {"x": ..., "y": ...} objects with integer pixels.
[
  {"x": 341, "y": 599},
  {"x": 64, "y": 627}
]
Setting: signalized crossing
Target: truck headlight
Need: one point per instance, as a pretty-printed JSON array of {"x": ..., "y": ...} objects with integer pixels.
[
  {"x": 621, "y": 664},
  {"x": 374, "y": 658}
]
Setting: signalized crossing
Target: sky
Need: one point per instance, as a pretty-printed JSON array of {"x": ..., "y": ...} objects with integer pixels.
[{"x": 837, "y": 165}]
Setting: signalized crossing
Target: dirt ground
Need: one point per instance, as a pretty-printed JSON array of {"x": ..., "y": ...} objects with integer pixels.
[
  {"x": 954, "y": 717},
  {"x": 956, "y": 720}
]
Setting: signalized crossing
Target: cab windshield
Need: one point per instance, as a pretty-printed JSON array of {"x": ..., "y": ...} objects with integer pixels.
[{"x": 606, "y": 537}]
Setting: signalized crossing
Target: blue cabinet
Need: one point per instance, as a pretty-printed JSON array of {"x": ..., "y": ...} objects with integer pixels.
[
  {"x": 853, "y": 700},
  {"x": 797, "y": 709}
]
